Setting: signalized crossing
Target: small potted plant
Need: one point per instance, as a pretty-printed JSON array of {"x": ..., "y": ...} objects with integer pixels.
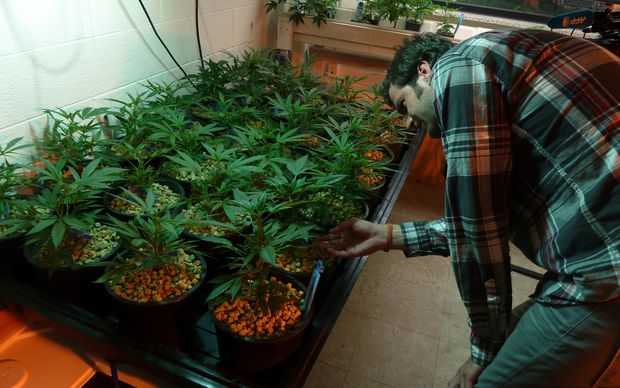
[
  {"x": 131, "y": 123},
  {"x": 123, "y": 201},
  {"x": 12, "y": 203},
  {"x": 77, "y": 136},
  {"x": 370, "y": 13},
  {"x": 65, "y": 234},
  {"x": 210, "y": 167},
  {"x": 260, "y": 318},
  {"x": 445, "y": 25},
  {"x": 417, "y": 11},
  {"x": 155, "y": 273},
  {"x": 343, "y": 154},
  {"x": 214, "y": 226},
  {"x": 393, "y": 10},
  {"x": 320, "y": 10},
  {"x": 380, "y": 125}
]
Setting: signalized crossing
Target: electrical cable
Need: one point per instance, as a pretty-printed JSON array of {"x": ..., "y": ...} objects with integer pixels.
[
  {"x": 198, "y": 38},
  {"x": 158, "y": 37}
]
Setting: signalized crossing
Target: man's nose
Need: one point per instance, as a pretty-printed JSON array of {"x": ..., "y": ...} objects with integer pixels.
[{"x": 411, "y": 125}]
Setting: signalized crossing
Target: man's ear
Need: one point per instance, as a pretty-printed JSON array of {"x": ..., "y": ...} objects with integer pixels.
[{"x": 425, "y": 71}]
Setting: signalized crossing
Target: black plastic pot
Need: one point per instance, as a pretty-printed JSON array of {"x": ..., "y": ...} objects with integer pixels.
[
  {"x": 175, "y": 186},
  {"x": 250, "y": 355},
  {"x": 374, "y": 194},
  {"x": 446, "y": 34},
  {"x": 281, "y": 56},
  {"x": 75, "y": 285},
  {"x": 395, "y": 149},
  {"x": 12, "y": 261},
  {"x": 187, "y": 185},
  {"x": 158, "y": 321},
  {"x": 215, "y": 256},
  {"x": 411, "y": 26},
  {"x": 368, "y": 20}
]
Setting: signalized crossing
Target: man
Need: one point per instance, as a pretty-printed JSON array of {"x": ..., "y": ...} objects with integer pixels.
[{"x": 530, "y": 126}]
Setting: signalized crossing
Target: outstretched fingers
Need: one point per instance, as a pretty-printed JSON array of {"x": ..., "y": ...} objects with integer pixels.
[
  {"x": 343, "y": 250},
  {"x": 343, "y": 226}
]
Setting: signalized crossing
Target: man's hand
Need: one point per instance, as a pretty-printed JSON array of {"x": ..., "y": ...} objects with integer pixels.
[
  {"x": 354, "y": 237},
  {"x": 467, "y": 375}
]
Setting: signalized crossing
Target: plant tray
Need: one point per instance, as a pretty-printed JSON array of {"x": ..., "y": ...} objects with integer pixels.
[{"x": 193, "y": 360}]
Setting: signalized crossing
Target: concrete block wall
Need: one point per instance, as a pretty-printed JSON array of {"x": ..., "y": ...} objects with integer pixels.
[{"x": 76, "y": 53}]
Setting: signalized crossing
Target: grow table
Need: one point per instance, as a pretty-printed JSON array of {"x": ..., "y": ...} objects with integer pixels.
[{"x": 193, "y": 359}]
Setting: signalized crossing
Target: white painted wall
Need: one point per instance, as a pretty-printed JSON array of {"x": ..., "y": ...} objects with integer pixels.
[{"x": 75, "y": 53}]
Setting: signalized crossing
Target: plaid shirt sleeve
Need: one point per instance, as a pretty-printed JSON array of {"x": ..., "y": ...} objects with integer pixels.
[
  {"x": 425, "y": 238},
  {"x": 473, "y": 116}
]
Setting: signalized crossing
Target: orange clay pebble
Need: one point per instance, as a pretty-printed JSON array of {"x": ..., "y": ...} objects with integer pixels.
[
  {"x": 375, "y": 155},
  {"x": 370, "y": 179},
  {"x": 302, "y": 260},
  {"x": 156, "y": 285},
  {"x": 240, "y": 318}
]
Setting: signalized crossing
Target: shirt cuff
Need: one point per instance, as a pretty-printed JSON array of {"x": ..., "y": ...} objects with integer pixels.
[
  {"x": 482, "y": 354},
  {"x": 412, "y": 237},
  {"x": 423, "y": 238}
]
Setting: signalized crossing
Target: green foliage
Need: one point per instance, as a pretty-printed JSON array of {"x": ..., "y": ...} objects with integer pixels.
[
  {"x": 420, "y": 9},
  {"x": 12, "y": 182},
  {"x": 259, "y": 141},
  {"x": 140, "y": 176},
  {"x": 320, "y": 10},
  {"x": 62, "y": 205},
  {"x": 266, "y": 236},
  {"x": 149, "y": 241},
  {"x": 76, "y": 136},
  {"x": 392, "y": 10},
  {"x": 447, "y": 18}
]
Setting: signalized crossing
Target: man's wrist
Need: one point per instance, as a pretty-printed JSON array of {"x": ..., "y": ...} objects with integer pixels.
[
  {"x": 388, "y": 237},
  {"x": 393, "y": 237}
]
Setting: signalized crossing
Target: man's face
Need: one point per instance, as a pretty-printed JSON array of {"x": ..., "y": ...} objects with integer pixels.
[{"x": 416, "y": 102}]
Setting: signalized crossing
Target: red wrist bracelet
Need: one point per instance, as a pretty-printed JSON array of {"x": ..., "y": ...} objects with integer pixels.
[{"x": 388, "y": 239}]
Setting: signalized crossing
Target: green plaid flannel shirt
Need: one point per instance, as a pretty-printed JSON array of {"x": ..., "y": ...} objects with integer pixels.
[{"x": 530, "y": 124}]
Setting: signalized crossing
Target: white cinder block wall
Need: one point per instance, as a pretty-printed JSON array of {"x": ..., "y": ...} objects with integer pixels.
[{"x": 76, "y": 53}]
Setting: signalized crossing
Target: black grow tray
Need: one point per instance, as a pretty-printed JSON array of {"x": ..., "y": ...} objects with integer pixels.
[{"x": 195, "y": 362}]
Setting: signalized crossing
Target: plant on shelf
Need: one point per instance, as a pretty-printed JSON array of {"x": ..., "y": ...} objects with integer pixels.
[
  {"x": 370, "y": 13},
  {"x": 295, "y": 112},
  {"x": 393, "y": 10},
  {"x": 346, "y": 155},
  {"x": 445, "y": 25},
  {"x": 418, "y": 10},
  {"x": 209, "y": 220},
  {"x": 320, "y": 10}
]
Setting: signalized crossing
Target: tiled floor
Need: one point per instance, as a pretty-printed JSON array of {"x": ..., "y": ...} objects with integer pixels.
[{"x": 404, "y": 324}]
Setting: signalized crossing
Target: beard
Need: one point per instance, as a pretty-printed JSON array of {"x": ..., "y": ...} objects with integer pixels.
[{"x": 428, "y": 115}]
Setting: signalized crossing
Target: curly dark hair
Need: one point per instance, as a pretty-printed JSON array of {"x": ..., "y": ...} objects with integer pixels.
[{"x": 403, "y": 68}]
